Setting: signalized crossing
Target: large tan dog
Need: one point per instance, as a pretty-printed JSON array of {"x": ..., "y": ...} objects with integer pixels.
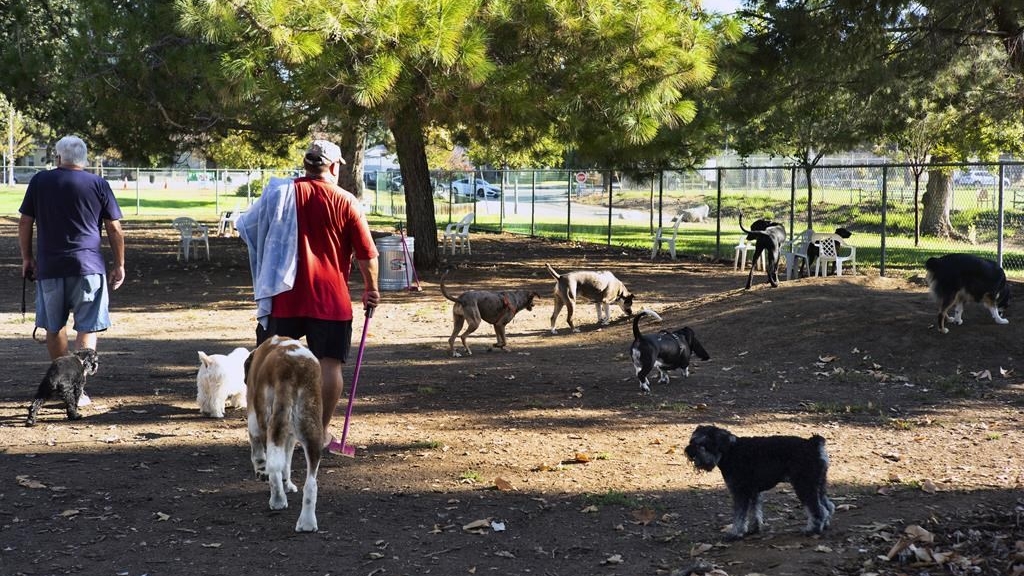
[
  {"x": 285, "y": 407},
  {"x": 497, "y": 308}
]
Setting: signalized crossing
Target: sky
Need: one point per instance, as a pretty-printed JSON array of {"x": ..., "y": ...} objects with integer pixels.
[{"x": 722, "y": 6}]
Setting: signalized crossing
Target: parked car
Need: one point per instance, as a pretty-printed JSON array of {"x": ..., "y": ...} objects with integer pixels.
[
  {"x": 978, "y": 177},
  {"x": 483, "y": 188}
]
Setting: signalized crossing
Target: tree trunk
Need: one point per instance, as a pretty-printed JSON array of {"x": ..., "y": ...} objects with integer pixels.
[
  {"x": 353, "y": 148},
  {"x": 936, "y": 203},
  {"x": 410, "y": 146}
]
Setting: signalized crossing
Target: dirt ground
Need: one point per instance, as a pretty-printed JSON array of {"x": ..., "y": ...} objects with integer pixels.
[{"x": 551, "y": 444}]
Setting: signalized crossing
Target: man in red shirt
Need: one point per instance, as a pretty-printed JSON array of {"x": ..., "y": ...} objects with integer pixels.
[{"x": 330, "y": 230}]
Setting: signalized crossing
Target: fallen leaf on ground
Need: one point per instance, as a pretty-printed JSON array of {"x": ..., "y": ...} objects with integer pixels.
[
  {"x": 582, "y": 457},
  {"x": 161, "y": 517},
  {"x": 477, "y": 525},
  {"x": 929, "y": 487},
  {"x": 505, "y": 554},
  {"x": 28, "y": 482},
  {"x": 70, "y": 512},
  {"x": 699, "y": 549},
  {"x": 613, "y": 559},
  {"x": 645, "y": 515},
  {"x": 589, "y": 509},
  {"x": 502, "y": 484},
  {"x": 828, "y": 358},
  {"x": 982, "y": 375},
  {"x": 212, "y": 545}
]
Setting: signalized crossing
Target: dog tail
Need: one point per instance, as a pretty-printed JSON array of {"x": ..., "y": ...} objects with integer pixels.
[
  {"x": 636, "y": 321},
  {"x": 551, "y": 271},
  {"x": 443, "y": 291}
]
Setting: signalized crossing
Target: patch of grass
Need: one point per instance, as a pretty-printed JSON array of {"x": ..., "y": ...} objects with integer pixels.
[
  {"x": 662, "y": 407},
  {"x": 612, "y": 498},
  {"x": 602, "y": 456},
  {"x": 426, "y": 390},
  {"x": 471, "y": 476},
  {"x": 993, "y": 436},
  {"x": 900, "y": 424},
  {"x": 838, "y": 408},
  {"x": 426, "y": 445},
  {"x": 955, "y": 386}
]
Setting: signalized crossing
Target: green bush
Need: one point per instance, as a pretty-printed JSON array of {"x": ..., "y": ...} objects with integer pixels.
[{"x": 254, "y": 188}]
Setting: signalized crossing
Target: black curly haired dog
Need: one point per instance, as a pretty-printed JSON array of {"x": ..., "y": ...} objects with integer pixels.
[
  {"x": 65, "y": 380},
  {"x": 754, "y": 464}
]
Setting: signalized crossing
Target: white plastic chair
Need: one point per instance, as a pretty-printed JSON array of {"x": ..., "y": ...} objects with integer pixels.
[
  {"x": 457, "y": 234},
  {"x": 739, "y": 261},
  {"x": 226, "y": 226},
  {"x": 661, "y": 237},
  {"x": 798, "y": 249},
  {"x": 193, "y": 235},
  {"x": 828, "y": 252}
]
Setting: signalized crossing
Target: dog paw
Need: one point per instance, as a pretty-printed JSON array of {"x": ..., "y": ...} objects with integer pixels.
[
  {"x": 553, "y": 331},
  {"x": 1002, "y": 321},
  {"x": 278, "y": 503},
  {"x": 304, "y": 525},
  {"x": 575, "y": 330},
  {"x": 456, "y": 355},
  {"x": 732, "y": 536},
  {"x": 290, "y": 486},
  {"x": 75, "y": 416},
  {"x": 944, "y": 330}
]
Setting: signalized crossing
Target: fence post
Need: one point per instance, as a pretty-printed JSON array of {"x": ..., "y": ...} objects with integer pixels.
[
  {"x": 661, "y": 193},
  {"x": 718, "y": 217},
  {"x": 609, "y": 181},
  {"x": 533, "y": 204},
  {"x": 568, "y": 206},
  {"x": 501, "y": 203},
  {"x": 216, "y": 191},
  {"x": 999, "y": 221},
  {"x": 792, "y": 202},
  {"x": 138, "y": 196},
  {"x": 885, "y": 210}
]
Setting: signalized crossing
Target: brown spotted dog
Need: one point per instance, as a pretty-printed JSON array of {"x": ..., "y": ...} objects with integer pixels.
[{"x": 285, "y": 407}]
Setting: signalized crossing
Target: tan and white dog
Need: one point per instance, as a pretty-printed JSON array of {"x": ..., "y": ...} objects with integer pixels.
[
  {"x": 285, "y": 408},
  {"x": 220, "y": 382},
  {"x": 601, "y": 288}
]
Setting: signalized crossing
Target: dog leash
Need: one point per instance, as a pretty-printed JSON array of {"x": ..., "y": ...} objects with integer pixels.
[{"x": 347, "y": 450}]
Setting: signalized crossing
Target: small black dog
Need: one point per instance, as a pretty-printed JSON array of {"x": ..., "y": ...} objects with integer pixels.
[
  {"x": 65, "y": 380},
  {"x": 752, "y": 465},
  {"x": 663, "y": 351},
  {"x": 957, "y": 278},
  {"x": 768, "y": 237}
]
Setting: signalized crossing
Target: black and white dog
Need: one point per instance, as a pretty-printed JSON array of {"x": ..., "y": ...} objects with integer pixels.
[
  {"x": 754, "y": 464},
  {"x": 65, "y": 380},
  {"x": 663, "y": 351},
  {"x": 957, "y": 278},
  {"x": 768, "y": 237}
]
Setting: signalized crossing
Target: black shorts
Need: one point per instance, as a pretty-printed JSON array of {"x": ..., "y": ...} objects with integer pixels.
[{"x": 324, "y": 338}]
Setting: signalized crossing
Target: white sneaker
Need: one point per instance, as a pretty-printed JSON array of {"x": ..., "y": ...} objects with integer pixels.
[{"x": 84, "y": 400}]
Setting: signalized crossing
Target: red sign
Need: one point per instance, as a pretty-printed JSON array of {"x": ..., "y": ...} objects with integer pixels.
[{"x": 581, "y": 177}]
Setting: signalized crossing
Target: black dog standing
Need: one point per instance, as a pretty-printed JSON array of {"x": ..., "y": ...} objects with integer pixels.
[
  {"x": 754, "y": 464},
  {"x": 65, "y": 380},
  {"x": 768, "y": 237}
]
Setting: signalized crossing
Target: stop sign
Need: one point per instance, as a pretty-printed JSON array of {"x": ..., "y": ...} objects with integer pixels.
[{"x": 581, "y": 177}]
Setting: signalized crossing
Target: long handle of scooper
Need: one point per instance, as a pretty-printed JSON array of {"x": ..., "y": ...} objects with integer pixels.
[
  {"x": 408, "y": 260},
  {"x": 347, "y": 450}
]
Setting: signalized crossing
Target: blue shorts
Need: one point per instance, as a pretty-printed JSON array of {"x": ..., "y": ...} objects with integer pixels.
[{"x": 85, "y": 296}]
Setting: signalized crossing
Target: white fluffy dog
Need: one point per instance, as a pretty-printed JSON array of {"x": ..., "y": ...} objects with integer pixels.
[{"x": 221, "y": 382}]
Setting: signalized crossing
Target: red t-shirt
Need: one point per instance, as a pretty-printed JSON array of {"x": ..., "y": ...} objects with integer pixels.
[{"x": 331, "y": 228}]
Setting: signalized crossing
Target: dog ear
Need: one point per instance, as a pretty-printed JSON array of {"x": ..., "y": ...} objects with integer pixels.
[
  {"x": 843, "y": 233},
  {"x": 694, "y": 344},
  {"x": 724, "y": 440},
  {"x": 204, "y": 359}
]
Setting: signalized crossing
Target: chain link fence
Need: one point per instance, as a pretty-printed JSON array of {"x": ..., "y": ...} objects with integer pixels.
[{"x": 882, "y": 204}]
